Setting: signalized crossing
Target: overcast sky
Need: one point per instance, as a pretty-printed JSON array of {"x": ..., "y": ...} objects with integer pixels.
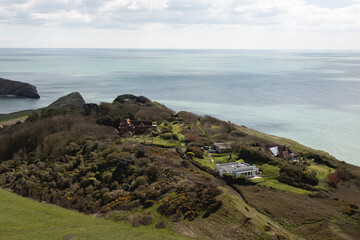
[{"x": 219, "y": 24}]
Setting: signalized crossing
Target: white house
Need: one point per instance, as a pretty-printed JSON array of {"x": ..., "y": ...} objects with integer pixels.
[{"x": 237, "y": 168}]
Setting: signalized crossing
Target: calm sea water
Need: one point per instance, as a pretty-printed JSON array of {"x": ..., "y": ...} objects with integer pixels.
[{"x": 311, "y": 97}]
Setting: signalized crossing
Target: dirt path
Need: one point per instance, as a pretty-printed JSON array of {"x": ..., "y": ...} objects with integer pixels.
[{"x": 211, "y": 159}]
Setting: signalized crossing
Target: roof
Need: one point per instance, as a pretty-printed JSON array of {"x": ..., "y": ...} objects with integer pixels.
[
  {"x": 281, "y": 151},
  {"x": 223, "y": 145},
  {"x": 274, "y": 150},
  {"x": 236, "y": 167}
]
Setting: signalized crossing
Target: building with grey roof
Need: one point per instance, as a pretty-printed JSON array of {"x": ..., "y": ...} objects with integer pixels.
[
  {"x": 237, "y": 169},
  {"x": 222, "y": 147},
  {"x": 281, "y": 151}
]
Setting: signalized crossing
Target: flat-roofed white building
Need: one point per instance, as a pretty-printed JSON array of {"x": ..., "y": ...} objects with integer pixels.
[{"x": 237, "y": 169}]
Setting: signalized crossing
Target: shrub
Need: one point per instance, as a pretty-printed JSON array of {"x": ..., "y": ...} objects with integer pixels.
[
  {"x": 319, "y": 159},
  {"x": 280, "y": 236},
  {"x": 212, "y": 208},
  {"x": 350, "y": 210},
  {"x": 333, "y": 179},
  {"x": 198, "y": 152},
  {"x": 152, "y": 173},
  {"x": 252, "y": 155},
  {"x": 297, "y": 176},
  {"x": 176, "y": 217},
  {"x": 190, "y": 138},
  {"x": 229, "y": 179},
  {"x": 166, "y": 136},
  {"x": 160, "y": 224},
  {"x": 267, "y": 228},
  {"x": 143, "y": 220},
  {"x": 141, "y": 153},
  {"x": 140, "y": 181},
  {"x": 106, "y": 120},
  {"x": 190, "y": 155},
  {"x": 148, "y": 203}
]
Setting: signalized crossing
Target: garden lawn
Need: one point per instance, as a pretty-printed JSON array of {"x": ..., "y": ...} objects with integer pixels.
[
  {"x": 270, "y": 170},
  {"x": 270, "y": 175},
  {"x": 321, "y": 170},
  {"x": 206, "y": 162},
  {"x": 222, "y": 158}
]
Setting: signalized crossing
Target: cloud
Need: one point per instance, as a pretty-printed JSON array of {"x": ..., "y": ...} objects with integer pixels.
[{"x": 292, "y": 15}]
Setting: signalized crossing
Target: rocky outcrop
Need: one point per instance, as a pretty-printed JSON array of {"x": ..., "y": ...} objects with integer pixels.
[
  {"x": 9, "y": 88},
  {"x": 71, "y": 100},
  {"x": 129, "y": 98}
]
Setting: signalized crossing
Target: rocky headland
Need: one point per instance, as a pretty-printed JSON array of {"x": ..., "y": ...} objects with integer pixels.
[
  {"x": 9, "y": 88},
  {"x": 71, "y": 100}
]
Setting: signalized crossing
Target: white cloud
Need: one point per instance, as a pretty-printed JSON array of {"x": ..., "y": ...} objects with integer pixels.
[
  {"x": 278, "y": 14},
  {"x": 62, "y": 16},
  {"x": 266, "y": 16}
]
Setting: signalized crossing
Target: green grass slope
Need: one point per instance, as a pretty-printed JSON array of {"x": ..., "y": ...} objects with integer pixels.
[
  {"x": 14, "y": 116},
  {"x": 22, "y": 218}
]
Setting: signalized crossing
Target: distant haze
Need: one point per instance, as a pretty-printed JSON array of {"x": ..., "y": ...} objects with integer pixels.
[{"x": 179, "y": 24}]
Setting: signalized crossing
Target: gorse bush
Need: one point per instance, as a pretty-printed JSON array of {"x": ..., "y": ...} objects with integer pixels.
[{"x": 191, "y": 201}]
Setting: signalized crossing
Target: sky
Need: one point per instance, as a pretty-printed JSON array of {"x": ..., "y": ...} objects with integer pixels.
[{"x": 181, "y": 24}]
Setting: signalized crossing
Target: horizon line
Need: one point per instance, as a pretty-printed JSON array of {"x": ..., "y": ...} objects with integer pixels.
[{"x": 200, "y": 49}]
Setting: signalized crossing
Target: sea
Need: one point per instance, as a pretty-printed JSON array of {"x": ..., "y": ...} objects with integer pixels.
[{"x": 312, "y": 97}]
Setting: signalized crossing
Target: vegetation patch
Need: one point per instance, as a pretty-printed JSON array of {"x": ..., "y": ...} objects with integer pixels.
[
  {"x": 22, "y": 218},
  {"x": 191, "y": 202},
  {"x": 298, "y": 176}
]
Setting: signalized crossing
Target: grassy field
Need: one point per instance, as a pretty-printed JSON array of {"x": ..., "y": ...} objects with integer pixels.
[
  {"x": 206, "y": 162},
  {"x": 269, "y": 170},
  {"x": 222, "y": 158},
  {"x": 274, "y": 183},
  {"x": 270, "y": 174},
  {"x": 22, "y": 218},
  {"x": 13, "y": 116},
  {"x": 322, "y": 171}
]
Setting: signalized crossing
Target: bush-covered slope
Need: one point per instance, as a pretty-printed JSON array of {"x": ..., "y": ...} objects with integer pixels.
[
  {"x": 74, "y": 158},
  {"x": 22, "y": 219}
]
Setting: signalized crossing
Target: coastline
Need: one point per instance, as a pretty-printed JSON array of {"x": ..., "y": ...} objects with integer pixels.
[
  {"x": 252, "y": 88},
  {"x": 11, "y": 96}
]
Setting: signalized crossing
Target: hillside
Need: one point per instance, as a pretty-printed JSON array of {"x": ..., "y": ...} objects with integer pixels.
[
  {"x": 163, "y": 178},
  {"x": 9, "y": 88},
  {"x": 22, "y": 218}
]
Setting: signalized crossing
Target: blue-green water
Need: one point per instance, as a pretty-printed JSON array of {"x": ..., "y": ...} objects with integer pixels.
[{"x": 311, "y": 97}]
